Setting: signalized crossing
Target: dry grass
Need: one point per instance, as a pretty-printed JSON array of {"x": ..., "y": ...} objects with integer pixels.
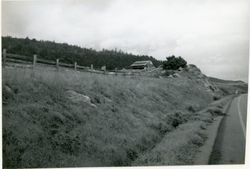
[
  {"x": 42, "y": 128},
  {"x": 176, "y": 148}
]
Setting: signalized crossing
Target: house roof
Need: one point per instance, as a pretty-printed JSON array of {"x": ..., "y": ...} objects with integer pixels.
[{"x": 142, "y": 63}]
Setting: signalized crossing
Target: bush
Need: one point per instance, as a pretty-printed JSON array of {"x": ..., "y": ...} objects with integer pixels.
[
  {"x": 169, "y": 72},
  {"x": 216, "y": 111},
  {"x": 174, "y": 63},
  {"x": 175, "y": 119},
  {"x": 216, "y": 97}
]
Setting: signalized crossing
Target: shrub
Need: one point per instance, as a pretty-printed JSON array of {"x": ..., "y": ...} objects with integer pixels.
[
  {"x": 216, "y": 111},
  {"x": 169, "y": 72},
  {"x": 175, "y": 119},
  {"x": 198, "y": 139},
  {"x": 216, "y": 97},
  {"x": 174, "y": 63},
  {"x": 132, "y": 154},
  {"x": 191, "y": 109}
]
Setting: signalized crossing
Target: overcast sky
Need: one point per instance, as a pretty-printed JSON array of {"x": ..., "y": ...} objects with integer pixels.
[{"x": 213, "y": 34}]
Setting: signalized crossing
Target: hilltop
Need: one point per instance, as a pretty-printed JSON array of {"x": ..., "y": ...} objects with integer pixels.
[{"x": 71, "y": 53}]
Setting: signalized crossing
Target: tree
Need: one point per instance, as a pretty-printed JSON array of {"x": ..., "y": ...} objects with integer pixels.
[{"x": 174, "y": 63}]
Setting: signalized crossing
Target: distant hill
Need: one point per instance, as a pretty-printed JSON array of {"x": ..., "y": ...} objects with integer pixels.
[
  {"x": 229, "y": 86},
  {"x": 71, "y": 53},
  {"x": 213, "y": 79}
]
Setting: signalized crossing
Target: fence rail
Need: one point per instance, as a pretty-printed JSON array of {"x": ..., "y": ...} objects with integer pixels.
[
  {"x": 19, "y": 57},
  {"x": 66, "y": 65},
  {"x": 49, "y": 62},
  {"x": 18, "y": 61}
]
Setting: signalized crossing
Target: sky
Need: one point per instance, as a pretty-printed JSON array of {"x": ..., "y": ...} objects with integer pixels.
[{"x": 212, "y": 34}]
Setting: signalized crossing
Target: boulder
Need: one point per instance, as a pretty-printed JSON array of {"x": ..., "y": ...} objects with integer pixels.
[
  {"x": 79, "y": 98},
  {"x": 176, "y": 75}
]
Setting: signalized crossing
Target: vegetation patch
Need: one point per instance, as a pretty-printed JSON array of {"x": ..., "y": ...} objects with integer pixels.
[{"x": 176, "y": 148}]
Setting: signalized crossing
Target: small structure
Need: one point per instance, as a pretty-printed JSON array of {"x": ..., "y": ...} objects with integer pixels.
[{"x": 142, "y": 64}]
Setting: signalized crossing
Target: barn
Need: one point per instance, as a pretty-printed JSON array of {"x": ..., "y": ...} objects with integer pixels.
[{"x": 142, "y": 64}]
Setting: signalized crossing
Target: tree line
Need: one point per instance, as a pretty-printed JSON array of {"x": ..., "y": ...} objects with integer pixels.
[{"x": 71, "y": 53}]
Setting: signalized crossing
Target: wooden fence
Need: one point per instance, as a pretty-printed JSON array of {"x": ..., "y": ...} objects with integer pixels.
[
  {"x": 14, "y": 58},
  {"x": 35, "y": 60}
]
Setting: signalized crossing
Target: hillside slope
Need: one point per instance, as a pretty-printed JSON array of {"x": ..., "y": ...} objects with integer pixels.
[{"x": 66, "y": 118}]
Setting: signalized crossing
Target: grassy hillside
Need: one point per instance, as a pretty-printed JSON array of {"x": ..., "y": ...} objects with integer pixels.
[
  {"x": 71, "y": 53},
  {"x": 65, "y": 118}
]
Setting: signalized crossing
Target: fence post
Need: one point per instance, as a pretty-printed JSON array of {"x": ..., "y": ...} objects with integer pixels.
[
  {"x": 4, "y": 57},
  {"x": 104, "y": 69},
  {"x": 34, "y": 60},
  {"x": 116, "y": 71},
  {"x": 57, "y": 64},
  {"x": 75, "y": 66},
  {"x": 91, "y": 67}
]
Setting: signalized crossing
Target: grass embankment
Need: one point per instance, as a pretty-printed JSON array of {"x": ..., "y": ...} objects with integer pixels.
[
  {"x": 189, "y": 143},
  {"x": 43, "y": 127}
]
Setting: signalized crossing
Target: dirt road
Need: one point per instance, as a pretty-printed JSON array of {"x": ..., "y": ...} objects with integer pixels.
[{"x": 229, "y": 147}]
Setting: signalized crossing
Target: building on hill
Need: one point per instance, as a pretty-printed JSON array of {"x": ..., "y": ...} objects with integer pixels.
[{"x": 146, "y": 64}]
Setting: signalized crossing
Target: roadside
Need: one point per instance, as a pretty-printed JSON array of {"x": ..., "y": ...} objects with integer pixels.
[
  {"x": 229, "y": 147},
  {"x": 203, "y": 155},
  {"x": 192, "y": 142}
]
